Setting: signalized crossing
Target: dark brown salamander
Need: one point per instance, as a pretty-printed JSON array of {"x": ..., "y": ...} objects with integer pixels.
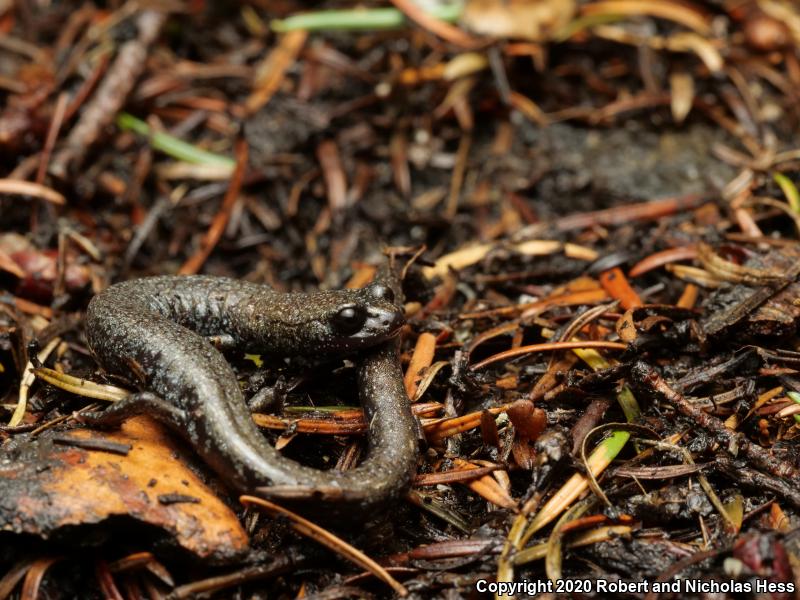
[{"x": 155, "y": 328}]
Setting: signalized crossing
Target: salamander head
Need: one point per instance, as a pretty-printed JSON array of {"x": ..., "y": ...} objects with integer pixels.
[
  {"x": 319, "y": 323},
  {"x": 368, "y": 318}
]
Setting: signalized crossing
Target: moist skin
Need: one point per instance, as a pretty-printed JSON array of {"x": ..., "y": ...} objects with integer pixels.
[{"x": 156, "y": 329}]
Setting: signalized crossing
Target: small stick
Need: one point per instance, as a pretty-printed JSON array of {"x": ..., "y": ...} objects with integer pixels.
[
  {"x": 214, "y": 233},
  {"x": 735, "y": 443}
]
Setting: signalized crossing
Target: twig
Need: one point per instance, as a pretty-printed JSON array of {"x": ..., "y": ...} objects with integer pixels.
[
  {"x": 327, "y": 539},
  {"x": 28, "y": 188},
  {"x": 111, "y": 95},
  {"x": 444, "y": 30},
  {"x": 735, "y": 443},
  {"x": 214, "y": 233}
]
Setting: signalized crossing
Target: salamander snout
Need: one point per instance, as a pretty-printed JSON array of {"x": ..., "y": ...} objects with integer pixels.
[
  {"x": 383, "y": 314},
  {"x": 387, "y": 320},
  {"x": 383, "y": 321}
]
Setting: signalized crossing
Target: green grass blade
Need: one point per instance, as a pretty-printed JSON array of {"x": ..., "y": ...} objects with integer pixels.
[
  {"x": 359, "y": 19},
  {"x": 171, "y": 145}
]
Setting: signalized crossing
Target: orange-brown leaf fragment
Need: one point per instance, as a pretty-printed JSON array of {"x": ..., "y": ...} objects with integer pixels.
[
  {"x": 527, "y": 420},
  {"x": 45, "y": 486},
  {"x": 536, "y": 20},
  {"x": 529, "y": 423}
]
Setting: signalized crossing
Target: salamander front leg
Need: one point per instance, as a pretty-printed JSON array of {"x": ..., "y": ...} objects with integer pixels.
[
  {"x": 271, "y": 398},
  {"x": 222, "y": 342},
  {"x": 140, "y": 403}
]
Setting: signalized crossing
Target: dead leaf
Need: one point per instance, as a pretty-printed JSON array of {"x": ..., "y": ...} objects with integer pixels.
[
  {"x": 528, "y": 421},
  {"x": 523, "y": 453},
  {"x": 536, "y": 20},
  {"x": 46, "y": 486},
  {"x": 37, "y": 269}
]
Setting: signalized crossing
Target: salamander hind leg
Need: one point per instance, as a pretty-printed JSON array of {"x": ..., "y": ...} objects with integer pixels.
[{"x": 140, "y": 403}]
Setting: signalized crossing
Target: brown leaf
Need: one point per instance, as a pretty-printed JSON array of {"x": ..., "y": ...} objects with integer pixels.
[
  {"x": 523, "y": 453},
  {"x": 535, "y": 20},
  {"x": 37, "y": 269},
  {"x": 487, "y": 487},
  {"x": 46, "y": 486},
  {"x": 528, "y": 421},
  {"x": 489, "y": 432}
]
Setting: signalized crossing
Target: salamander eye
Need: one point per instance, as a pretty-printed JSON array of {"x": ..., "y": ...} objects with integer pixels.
[
  {"x": 381, "y": 292},
  {"x": 349, "y": 319}
]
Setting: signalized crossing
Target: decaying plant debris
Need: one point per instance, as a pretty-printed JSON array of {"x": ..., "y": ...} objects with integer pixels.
[{"x": 597, "y": 214}]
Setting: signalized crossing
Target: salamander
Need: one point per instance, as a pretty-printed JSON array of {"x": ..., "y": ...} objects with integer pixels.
[{"x": 158, "y": 329}]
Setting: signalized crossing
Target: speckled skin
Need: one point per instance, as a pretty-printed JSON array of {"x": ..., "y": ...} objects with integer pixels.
[{"x": 154, "y": 329}]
